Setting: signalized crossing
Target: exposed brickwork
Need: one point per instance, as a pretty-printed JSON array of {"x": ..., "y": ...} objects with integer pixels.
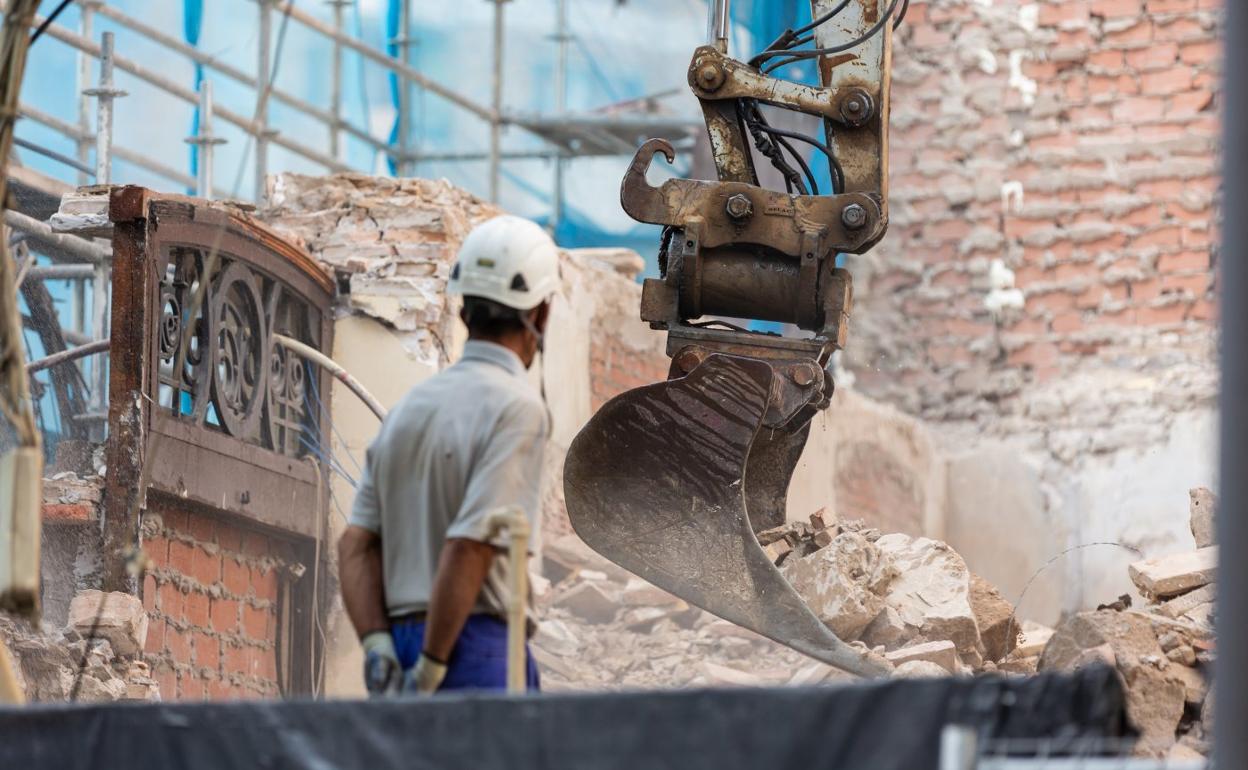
[
  {"x": 616, "y": 366},
  {"x": 1077, "y": 142},
  {"x": 211, "y": 591}
]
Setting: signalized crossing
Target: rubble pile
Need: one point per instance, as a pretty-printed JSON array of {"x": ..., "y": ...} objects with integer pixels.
[
  {"x": 1163, "y": 651},
  {"x": 911, "y": 599},
  {"x": 48, "y": 662}
]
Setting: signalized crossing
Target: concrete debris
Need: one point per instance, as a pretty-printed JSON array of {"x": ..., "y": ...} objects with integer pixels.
[
  {"x": 1176, "y": 574},
  {"x": 994, "y": 616},
  {"x": 943, "y": 654},
  {"x": 1163, "y": 652},
  {"x": 919, "y": 669},
  {"x": 1202, "y": 511},
  {"x": 589, "y": 603},
  {"x": 931, "y": 593},
  {"x": 117, "y": 617},
  {"x": 844, "y": 583},
  {"x": 49, "y": 661}
]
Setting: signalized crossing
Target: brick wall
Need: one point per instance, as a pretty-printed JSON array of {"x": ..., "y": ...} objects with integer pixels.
[
  {"x": 1075, "y": 141},
  {"x": 212, "y": 592}
]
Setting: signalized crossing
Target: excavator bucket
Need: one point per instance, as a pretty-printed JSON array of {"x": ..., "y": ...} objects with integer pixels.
[{"x": 660, "y": 482}]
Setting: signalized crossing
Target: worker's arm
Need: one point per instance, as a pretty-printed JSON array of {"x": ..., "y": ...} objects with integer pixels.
[
  {"x": 362, "y": 579},
  {"x": 462, "y": 569}
]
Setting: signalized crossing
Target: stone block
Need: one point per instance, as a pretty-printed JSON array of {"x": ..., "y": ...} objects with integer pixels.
[
  {"x": 842, "y": 583},
  {"x": 122, "y": 620},
  {"x": 998, "y": 630},
  {"x": 1178, "y": 573},
  {"x": 943, "y": 654},
  {"x": 1202, "y": 510},
  {"x": 931, "y": 591},
  {"x": 589, "y": 603},
  {"x": 919, "y": 669}
]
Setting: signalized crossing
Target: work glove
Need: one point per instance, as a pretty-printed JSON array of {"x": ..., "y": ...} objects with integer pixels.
[
  {"x": 425, "y": 677},
  {"x": 383, "y": 675}
]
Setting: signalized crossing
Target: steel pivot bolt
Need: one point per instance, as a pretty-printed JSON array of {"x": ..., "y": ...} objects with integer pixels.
[
  {"x": 853, "y": 216},
  {"x": 856, "y": 107},
  {"x": 805, "y": 374},
  {"x": 710, "y": 76},
  {"x": 688, "y": 360},
  {"x": 739, "y": 207}
]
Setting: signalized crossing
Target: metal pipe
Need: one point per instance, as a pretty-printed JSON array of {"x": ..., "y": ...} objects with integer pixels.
[
  {"x": 42, "y": 233},
  {"x": 404, "y": 42},
  {"x": 104, "y": 95},
  {"x": 84, "y": 170},
  {"x": 335, "y": 83},
  {"x": 86, "y": 16},
  {"x": 332, "y": 366},
  {"x": 718, "y": 25},
  {"x": 561, "y": 106},
  {"x": 496, "y": 128},
  {"x": 262, "y": 95},
  {"x": 205, "y": 141},
  {"x": 1231, "y": 673},
  {"x": 61, "y": 272},
  {"x": 64, "y": 356}
]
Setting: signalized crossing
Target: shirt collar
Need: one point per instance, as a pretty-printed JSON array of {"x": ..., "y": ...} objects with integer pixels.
[{"x": 493, "y": 353}]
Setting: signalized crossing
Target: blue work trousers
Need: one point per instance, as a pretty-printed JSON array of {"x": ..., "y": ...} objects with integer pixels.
[{"x": 479, "y": 660}]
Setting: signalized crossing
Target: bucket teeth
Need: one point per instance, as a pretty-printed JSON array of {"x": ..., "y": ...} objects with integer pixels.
[{"x": 656, "y": 482}]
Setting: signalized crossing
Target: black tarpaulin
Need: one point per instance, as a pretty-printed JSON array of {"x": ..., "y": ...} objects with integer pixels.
[{"x": 877, "y": 726}]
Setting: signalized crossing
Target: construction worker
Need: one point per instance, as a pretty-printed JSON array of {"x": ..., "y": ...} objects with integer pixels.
[{"x": 423, "y": 583}]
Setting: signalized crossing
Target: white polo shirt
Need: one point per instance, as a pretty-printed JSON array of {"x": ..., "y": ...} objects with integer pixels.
[{"x": 458, "y": 447}]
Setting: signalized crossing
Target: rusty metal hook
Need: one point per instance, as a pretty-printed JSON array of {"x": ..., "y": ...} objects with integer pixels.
[{"x": 642, "y": 200}]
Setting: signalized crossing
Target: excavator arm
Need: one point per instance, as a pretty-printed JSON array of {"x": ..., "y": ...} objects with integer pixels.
[{"x": 672, "y": 481}]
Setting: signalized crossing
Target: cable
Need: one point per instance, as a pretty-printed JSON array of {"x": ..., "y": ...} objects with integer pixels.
[
  {"x": 791, "y": 38},
  {"x": 796, "y": 56},
  {"x": 905, "y": 6},
  {"x": 48, "y": 21},
  {"x": 824, "y": 18}
]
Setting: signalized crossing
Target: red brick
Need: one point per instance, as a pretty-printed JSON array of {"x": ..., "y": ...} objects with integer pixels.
[
  {"x": 202, "y": 528},
  {"x": 1202, "y": 52},
  {"x": 1035, "y": 354},
  {"x": 171, "y": 600},
  {"x": 1168, "y": 81},
  {"x": 1094, "y": 295},
  {"x": 1153, "y": 56},
  {"x": 1198, "y": 238},
  {"x": 1171, "y": 6},
  {"x": 1183, "y": 29},
  {"x": 1162, "y": 237},
  {"x": 191, "y": 688},
  {"x": 230, "y": 538},
  {"x": 1203, "y": 310},
  {"x": 255, "y": 544},
  {"x": 205, "y": 567},
  {"x": 155, "y": 641},
  {"x": 150, "y": 590},
  {"x": 263, "y": 582},
  {"x": 235, "y": 659},
  {"x": 1115, "y": 8},
  {"x": 255, "y": 623},
  {"x": 157, "y": 550},
  {"x": 1166, "y": 315},
  {"x": 1053, "y": 301},
  {"x": 1139, "y": 109},
  {"x": 235, "y": 576},
  {"x": 1136, "y": 33},
  {"x": 1189, "y": 103},
  {"x": 261, "y": 662},
  {"x": 1195, "y": 285},
  {"x": 219, "y": 690},
  {"x": 225, "y": 615},
  {"x": 1065, "y": 323},
  {"x": 207, "y": 651},
  {"x": 67, "y": 513},
  {"x": 178, "y": 645},
  {"x": 1183, "y": 260},
  {"x": 1066, "y": 13},
  {"x": 180, "y": 556},
  {"x": 167, "y": 680},
  {"x": 1108, "y": 60},
  {"x": 197, "y": 609}
]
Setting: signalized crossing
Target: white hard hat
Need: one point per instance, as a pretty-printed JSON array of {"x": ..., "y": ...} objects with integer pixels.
[{"x": 509, "y": 260}]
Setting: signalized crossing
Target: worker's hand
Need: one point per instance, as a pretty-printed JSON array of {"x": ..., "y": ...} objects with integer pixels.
[
  {"x": 425, "y": 677},
  {"x": 383, "y": 676}
]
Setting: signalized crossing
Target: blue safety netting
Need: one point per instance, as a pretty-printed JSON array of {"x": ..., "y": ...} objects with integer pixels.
[{"x": 192, "y": 26}]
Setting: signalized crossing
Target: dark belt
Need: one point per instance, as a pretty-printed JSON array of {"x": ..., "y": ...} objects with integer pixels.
[{"x": 422, "y": 616}]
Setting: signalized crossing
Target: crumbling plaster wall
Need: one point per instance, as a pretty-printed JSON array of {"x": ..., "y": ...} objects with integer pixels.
[{"x": 1045, "y": 296}]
